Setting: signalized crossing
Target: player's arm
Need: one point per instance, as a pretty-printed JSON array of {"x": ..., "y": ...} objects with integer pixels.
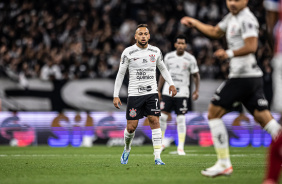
[
  {"x": 251, "y": 44},
  {"x": 160, "y": 86},
  {"x": 161, "y": 66},
  {"x": 206, "y": 29},
  {"x": 196, "y": 78},
  {"x": 119, "y": 79}
]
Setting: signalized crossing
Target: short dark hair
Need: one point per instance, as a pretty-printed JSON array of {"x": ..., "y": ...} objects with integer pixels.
[
  {"x": 142, "y": 25},
  {"x": 181, "y": 37}
]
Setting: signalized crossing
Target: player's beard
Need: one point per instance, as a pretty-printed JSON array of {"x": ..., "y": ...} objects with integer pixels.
[{"x": 142, "y": 44}]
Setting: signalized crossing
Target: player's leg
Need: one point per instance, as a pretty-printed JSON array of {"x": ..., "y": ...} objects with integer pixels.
[
  {"x": 220, "y": 139},
  {"x": 129, "y": 133},
  {"x": 156, "y": 138},
  {"x": 273, "y": 170},
  {"x": 224, "y": 98},
  {"x": 166, "y": 106},
  {"x": 181, "y": 107},
  {"x": 134, "y": 112},
  {"x": 163, "y": 125},
  {"x": 152, "y": 110}
]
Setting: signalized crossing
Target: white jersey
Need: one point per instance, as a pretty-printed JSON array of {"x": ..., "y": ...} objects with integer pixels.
[
  {"x": 237, "y": 28},
  {"x": 180, "y": 68},
  {"x": 141, "y": 64}
]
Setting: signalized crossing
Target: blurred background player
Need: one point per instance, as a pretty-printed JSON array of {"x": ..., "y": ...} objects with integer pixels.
[
  {"x": 141, "y": 59},
  {"x": 274, "y": 26},
  {"x": 180, "y": 65},
  {"x": 244, "y": 83}
]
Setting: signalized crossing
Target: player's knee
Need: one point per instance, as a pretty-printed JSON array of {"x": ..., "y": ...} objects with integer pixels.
[
  {"x": 180, "y": 119},
  {"x": 131, "y": 128},
  {"x": 163, "y": 118},
  {"x": 153, "y": 120}
]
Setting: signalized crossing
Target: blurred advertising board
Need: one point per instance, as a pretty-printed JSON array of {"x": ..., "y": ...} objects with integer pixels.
[{"x": 79, "y": 129}]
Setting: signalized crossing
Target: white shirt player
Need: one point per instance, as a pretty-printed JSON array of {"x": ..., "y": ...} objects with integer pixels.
[
  {"x": 141, "y": 64},
  {"x": 237, "y": 28},
  {"x": 180, "y": 68}
]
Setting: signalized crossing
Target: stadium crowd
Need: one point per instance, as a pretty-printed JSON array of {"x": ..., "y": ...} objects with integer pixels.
[{"x": 84, "y": 38}]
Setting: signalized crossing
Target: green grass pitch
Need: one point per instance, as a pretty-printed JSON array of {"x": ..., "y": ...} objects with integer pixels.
[{"x": 101, "y": 164}]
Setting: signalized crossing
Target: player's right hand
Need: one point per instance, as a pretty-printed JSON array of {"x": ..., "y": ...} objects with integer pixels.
[
  {"x": 188, "y": 21},
  {"x": 172, "y": 90},
  {"x": 117, "y": 101}
]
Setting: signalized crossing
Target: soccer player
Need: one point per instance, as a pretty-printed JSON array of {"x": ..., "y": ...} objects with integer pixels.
[
  {"x": 180, "y": 65},
  {"x": 141, "y": 59},
  {"x": 244, "y": 83},
  {"x": 274, "y": 17}
]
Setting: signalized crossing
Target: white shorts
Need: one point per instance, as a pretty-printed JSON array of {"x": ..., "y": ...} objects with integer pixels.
[{"x": 277, "y": 83}]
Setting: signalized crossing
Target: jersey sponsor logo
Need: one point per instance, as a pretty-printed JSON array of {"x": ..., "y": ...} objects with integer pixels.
[
  {"x": 135, "y": 59},
  {"x": 262, "y": 102},
  {"x": 141, "y": 74},
  {"x": 131, "y": 52},
  {"x": 132, "y": 112},
  {"x": 152, "y": 58},
  {"x": 142, "y": 89}
]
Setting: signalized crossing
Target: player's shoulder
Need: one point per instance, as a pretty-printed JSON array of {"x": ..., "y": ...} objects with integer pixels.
[
  {"x": 154, "y": 49},
  {"x": 130, "y": 50},
  {"x": 247, "y": 15},
  {"x": 189, "y": 56}
]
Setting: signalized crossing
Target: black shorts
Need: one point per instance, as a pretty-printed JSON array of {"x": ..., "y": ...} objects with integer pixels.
[
  {"x": 140, "y": 106},
  {"x": 178, "y": 104},
  {"x": 248, "y": 91}
]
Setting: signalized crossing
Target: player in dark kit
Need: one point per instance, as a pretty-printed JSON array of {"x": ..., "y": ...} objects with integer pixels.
[
  {"x": 274, "y": 19},
  {"x": 244, "y": 84}
]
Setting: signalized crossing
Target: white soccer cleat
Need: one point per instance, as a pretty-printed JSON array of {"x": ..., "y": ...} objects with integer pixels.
[
  {"x": 181, "y": 152},
  {"x": 218, "y": 170}
]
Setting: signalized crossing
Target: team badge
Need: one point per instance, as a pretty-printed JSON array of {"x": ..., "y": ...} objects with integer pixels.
[
  {"x": 152, "y": 58},
  {"x": 132, "y": 112}
]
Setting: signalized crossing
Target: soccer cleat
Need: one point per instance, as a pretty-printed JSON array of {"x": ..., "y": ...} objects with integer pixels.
[
  {"x": 124, "y": 157},
  {"x": 181, "y": 152},
  {"x": 217, "y": 170},
  {"x": 158, "y": 161}
]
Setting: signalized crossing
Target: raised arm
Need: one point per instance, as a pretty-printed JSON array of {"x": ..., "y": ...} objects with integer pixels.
[
  {"x": 119, "y": 79},
  {"x": 206, "y": 29}
]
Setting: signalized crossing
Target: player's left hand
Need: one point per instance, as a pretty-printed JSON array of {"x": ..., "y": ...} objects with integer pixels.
[
  {"x": 221, "y": 54},
  {"x": 195, "y": 95},
  {"x": 172, "y": 90}
]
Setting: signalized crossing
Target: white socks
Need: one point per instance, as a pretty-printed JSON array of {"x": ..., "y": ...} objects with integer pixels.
[
  {"x": 181, "y": 130},
  {"x": 163, "y": 123},
  {"x": 273, "y": 128},
  {"x": 157, "y": 142},
  {"x": 128, "y": 137},
  {"x": 220, "y": 141}
]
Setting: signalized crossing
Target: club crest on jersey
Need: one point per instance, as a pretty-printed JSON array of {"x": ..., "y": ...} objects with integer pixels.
[
  {"x": 132, "y": 112},
  {"x": 152, "y": 58}
]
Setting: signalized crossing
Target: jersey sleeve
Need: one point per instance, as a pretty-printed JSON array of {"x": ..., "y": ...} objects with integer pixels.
[
  {"x": 121, "y": 72},
  {"x": 223, "y": 23},
  {"x": 249, "y": 27},
  {"x": 161, "y": 66},
  {"x": 194, "y": 67}
]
